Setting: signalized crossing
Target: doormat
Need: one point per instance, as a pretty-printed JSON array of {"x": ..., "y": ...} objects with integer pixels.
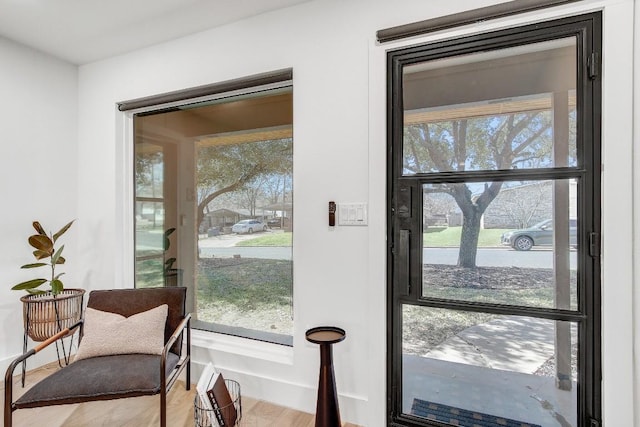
[{"x": 461, "y": 417}]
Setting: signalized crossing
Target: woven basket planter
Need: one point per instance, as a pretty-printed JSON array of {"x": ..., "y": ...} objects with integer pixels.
[{"x": 45, "y": 315}]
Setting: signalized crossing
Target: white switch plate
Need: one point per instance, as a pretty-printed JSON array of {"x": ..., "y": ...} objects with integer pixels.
[{"x": 352, "y": 214}]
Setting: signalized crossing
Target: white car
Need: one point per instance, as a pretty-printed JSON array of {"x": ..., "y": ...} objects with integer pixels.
[{"x": 248, "y": 226}]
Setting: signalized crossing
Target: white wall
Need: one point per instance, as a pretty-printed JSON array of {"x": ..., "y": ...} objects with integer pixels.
[
  {"x": 38, "y": 171},
  {"x": 339, "y": 118},
  {"x": 327, "y": 45}
]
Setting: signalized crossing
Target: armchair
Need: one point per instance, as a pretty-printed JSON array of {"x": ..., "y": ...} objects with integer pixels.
[{"x": 120, "y": 375}]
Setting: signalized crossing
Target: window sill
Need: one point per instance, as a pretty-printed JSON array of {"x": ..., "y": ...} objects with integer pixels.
[
  {"x": 242, "y": 346},
  {"x": 236, "y": 331}
]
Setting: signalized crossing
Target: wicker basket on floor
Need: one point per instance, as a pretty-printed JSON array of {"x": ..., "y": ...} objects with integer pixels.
[
  {"x": 206, "y": 418},
  {"x": 45, "y": 315}
]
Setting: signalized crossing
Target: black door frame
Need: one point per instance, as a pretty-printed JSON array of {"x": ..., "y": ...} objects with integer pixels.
[{"x": 404, "y": 206}]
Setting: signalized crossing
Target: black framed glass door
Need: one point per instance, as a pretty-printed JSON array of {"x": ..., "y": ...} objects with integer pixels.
[{"x": 493, "y": 228}]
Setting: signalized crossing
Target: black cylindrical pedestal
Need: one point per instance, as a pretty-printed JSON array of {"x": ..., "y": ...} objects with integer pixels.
[{"x": 327, "y": 410}]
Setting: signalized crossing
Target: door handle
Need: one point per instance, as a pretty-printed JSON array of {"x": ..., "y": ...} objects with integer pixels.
[{"x": 403, "y": 261}]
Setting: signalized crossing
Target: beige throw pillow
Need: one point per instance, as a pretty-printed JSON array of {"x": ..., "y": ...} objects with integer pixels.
[{"x": 109, "y": 333}]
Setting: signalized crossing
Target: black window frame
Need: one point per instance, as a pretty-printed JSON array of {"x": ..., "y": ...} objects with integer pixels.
[{"x": 404, "y": 248}]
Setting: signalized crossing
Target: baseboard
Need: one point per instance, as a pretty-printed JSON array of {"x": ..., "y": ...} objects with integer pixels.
[{"x": 300, "y": 397}]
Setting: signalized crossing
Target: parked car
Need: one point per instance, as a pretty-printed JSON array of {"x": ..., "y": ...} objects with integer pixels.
[
  {"x": 278, "y": 222},
  {"x": 539, "y": 234},
  {"x": 248, "y": 226}
]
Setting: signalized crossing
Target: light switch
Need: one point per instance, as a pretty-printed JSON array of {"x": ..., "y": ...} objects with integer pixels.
[{"x": 352, "y": 214}]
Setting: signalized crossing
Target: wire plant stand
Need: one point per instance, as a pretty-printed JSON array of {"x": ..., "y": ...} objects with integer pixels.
[{"x": 44, "y": 315}]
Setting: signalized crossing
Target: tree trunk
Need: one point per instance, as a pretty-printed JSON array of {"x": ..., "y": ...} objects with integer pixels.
[{"x": 469, "y": 239}]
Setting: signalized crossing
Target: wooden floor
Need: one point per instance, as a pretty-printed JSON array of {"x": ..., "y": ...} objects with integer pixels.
[{"x": 144, "y": 411}]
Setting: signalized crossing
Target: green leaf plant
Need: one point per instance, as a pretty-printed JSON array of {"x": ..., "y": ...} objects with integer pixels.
[
  {"x": 168, "y": 262},
  {"x": 45, "y": 254}
]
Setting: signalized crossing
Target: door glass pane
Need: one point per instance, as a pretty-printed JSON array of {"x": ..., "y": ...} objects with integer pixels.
[
  {"x": 521, "y": 249},
  {"x": 492, "y": 370},
  {"x": 503, "y": 109}
]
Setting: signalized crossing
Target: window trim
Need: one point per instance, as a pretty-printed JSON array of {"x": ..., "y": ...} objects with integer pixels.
[
  {"x": 210, "y": 91},
  {"x": 472, "y": 16},
  {"x": 240, "y": 332},
  {"x": 240, "y": 346}
]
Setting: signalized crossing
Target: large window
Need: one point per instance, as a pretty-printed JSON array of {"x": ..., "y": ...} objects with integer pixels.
[
  {"x": 214, "y": 208},
  {"x": 493, "y": 229}
]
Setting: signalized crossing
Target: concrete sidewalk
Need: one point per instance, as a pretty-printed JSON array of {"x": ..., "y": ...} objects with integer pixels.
[
  {"x": 510, "y": 343},
  {"x": 226, "y": 240},
  {"x": 489, "y": 368}
]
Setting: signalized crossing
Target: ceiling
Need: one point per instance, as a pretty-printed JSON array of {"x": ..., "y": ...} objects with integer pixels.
[
  {"x": 263, "y": 117},
  {"x": 82, "y": 31}
]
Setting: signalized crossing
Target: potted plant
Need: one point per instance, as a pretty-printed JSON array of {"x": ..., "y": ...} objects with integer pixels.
[
  {"x": 46, "y": 312},
  {"x": 172, "y": 276}
]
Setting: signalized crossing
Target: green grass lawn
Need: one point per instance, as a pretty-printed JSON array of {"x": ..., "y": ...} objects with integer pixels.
[
  {"x": 270, "y": 239},
  {"x": 245, "y": 292},
  {"x": 450, "y": 237}
]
